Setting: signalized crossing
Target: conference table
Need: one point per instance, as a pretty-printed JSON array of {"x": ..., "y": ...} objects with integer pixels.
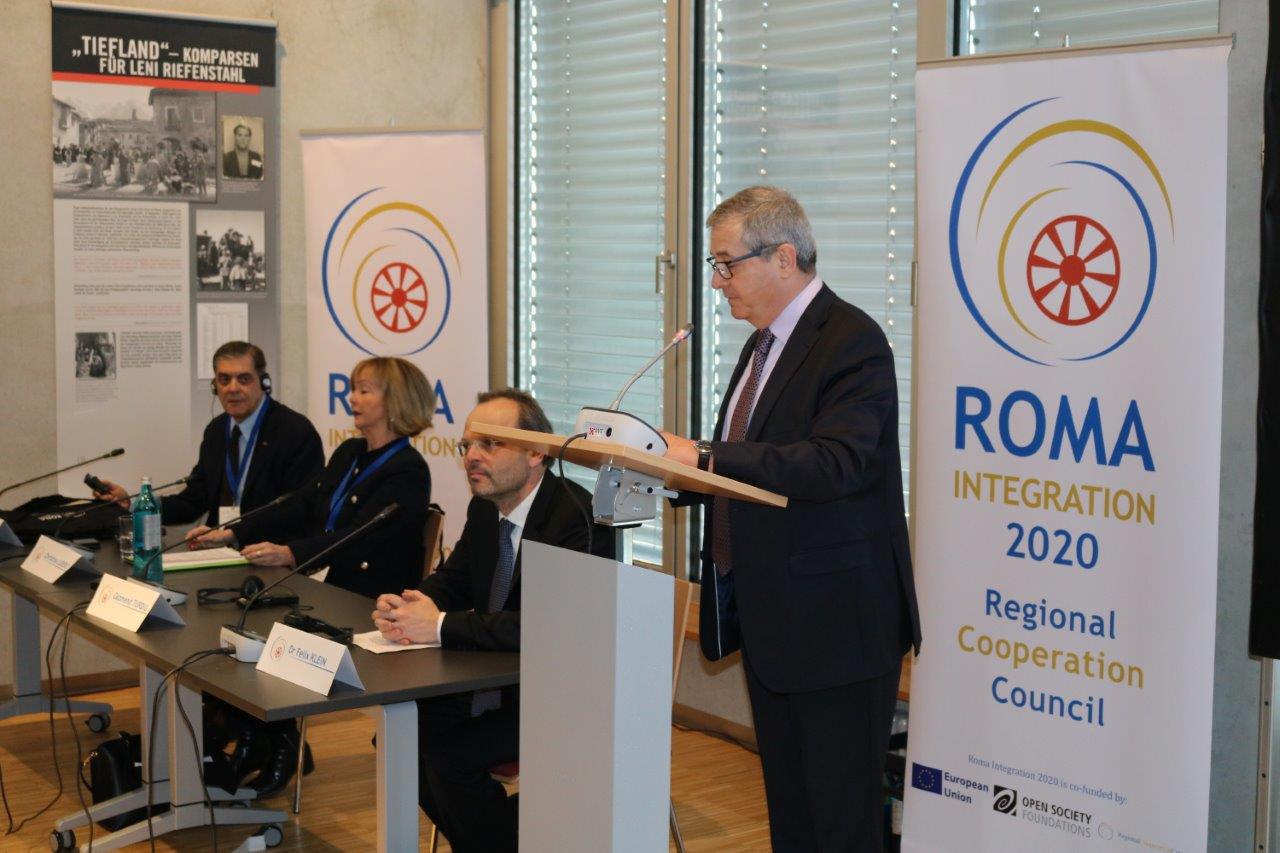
[{"x": 392, "y": 683}]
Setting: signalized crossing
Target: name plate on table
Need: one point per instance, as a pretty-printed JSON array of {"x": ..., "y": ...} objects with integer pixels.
[
  {"x": 126, "y": 603},
  {"x": 307, "y": 660},
  {"x": 51, "y": 559},
  {"x": 7, "y": 536}
]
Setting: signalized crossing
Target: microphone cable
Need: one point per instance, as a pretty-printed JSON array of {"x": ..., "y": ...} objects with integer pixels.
[
  {"x": 66, "y": 700},
  {"x": 195, "y": 745},
  {"x": 568, "y": 491},
  {"x": 53, "y": 733}
]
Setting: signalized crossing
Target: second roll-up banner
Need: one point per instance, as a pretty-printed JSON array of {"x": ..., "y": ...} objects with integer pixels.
[
  {"x": 1072, "y": 228},
  {"x": 397, "y": 265}
]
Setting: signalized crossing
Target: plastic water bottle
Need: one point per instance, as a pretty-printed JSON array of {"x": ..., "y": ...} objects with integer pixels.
[{"x": 146, "y": 535}]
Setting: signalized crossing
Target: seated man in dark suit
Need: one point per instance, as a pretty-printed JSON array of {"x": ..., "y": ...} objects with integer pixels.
[
  {"x": 473, "y": 602},
  {"x": 255, "y": 451}
]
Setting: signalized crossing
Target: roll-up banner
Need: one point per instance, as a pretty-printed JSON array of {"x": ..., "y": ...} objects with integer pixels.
[
  {"x": 397, "y": 266},
  {"x": 164, "y": 178},
  {"x": 1068, "y": 408}
]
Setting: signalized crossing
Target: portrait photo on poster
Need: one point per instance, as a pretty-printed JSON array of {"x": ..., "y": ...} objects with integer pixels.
[
  {"x": 242, "y": 146},
  {"x": 112, "y": 141},
  {"x": 95, "y": 355},
  {"x": 230, "y": 249}
]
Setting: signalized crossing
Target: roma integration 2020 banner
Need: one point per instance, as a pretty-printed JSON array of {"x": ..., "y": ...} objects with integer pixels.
[
  {"x": 1071, "y": 246},
  {"x": 397, "y": 266}
]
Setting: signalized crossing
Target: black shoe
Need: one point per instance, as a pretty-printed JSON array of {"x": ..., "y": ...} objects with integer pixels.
[
  {"x": 279, "y": 767},
  {"x": 252, "y": 751}
]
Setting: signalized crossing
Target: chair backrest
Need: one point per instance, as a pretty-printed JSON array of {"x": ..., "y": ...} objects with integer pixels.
[
  {"x": 684, "y": 596},
  {"x": 433, "y": 538}
]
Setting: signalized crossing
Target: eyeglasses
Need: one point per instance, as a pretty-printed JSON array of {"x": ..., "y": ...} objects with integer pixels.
[
  {"x": 484, "y": 445},
  {"x": 722, "y": 268}
]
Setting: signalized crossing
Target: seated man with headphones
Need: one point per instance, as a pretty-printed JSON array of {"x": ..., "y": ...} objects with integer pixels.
[{"x": 255, "y": 451}]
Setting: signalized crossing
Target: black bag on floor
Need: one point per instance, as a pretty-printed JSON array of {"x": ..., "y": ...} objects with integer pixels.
[{"x": 115, "y": 768}]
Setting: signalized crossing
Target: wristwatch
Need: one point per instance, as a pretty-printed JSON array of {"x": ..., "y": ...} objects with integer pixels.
[{"x": 704, "y": 454}]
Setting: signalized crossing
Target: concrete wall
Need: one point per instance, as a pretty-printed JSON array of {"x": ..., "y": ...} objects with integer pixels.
[
  {"x": 1236, "y": 676},
  {"x": 343, "y": 63}
]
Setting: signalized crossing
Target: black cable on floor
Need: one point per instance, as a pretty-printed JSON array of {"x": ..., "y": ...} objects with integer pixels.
[
  {"x": 53, "y": 734},
  {"x": 66, "y": 698}
]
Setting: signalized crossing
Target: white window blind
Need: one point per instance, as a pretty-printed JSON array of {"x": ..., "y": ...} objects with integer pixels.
[
  {"x": 592, "y": 202},
  {"x": 990, "y": 26},
  {"x": 816, "y": 96}
]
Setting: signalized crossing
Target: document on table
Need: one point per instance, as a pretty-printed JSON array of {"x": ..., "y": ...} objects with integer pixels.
[
  {"x": 205, "y": 558},
  {"x": 373, "y": 641}
]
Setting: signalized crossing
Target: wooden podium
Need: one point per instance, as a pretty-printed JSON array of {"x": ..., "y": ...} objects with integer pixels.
[{"x": 595, "y": 673}]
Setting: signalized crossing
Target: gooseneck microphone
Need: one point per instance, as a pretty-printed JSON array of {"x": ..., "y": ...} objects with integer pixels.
[
  {"x": 680, "y": 336},
  {"x": 246, "y": 646},
  {"x": 119, "y": 451}
]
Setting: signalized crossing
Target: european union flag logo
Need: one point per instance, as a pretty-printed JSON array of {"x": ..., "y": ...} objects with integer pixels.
[{"x": 926, "y": 778}]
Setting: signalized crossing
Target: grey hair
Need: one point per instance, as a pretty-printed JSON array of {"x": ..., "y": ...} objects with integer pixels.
[{"x": 769, "y": 216}]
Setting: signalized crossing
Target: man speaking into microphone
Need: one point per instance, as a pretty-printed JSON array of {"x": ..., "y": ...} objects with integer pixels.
[
  {"x": 818, "y": 595},
  {"x": 255, "y": 451}
]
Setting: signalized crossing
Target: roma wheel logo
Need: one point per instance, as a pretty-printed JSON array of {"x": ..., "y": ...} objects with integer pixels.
[
  {"x": 1073, "y": 270},
  {"x": 399, "y": 297}
]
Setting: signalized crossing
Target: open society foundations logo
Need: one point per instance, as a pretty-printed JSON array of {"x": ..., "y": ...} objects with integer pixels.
[
  {"x": 387, "y": 272},
  {"x": 1054, "y": 234}
]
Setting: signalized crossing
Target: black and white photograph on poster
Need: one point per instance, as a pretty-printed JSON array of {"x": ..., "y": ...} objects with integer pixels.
[
  {"x": 242, "y": 148},
  {"x": 230, "y": 247},
  {"x": 119, "y": 141},
  {"x": 95, "y": 355}
]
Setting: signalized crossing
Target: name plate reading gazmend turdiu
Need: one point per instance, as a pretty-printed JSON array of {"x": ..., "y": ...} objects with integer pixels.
[
  {"x": 126, "y": 603},
  {"x": 307, "y": 660},
  {"x": 51, "y": 559}
]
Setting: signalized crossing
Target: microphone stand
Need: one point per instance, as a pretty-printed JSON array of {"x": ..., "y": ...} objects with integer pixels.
[
  {"x": 246, "y": 645},
  {"x": 119, "y": 451}
]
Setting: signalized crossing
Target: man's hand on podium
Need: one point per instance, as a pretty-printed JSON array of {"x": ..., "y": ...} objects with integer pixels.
[
  {"x": 411, "y": 617},
  {"x": 680, "y": 449}
]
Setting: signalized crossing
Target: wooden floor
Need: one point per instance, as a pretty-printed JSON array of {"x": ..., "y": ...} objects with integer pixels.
[{"x": 716, "y": 785}]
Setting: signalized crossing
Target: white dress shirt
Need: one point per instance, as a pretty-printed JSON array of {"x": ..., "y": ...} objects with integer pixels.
[
  {"x": 518, "y": 517},
  {"x": 782, "y": 327}
]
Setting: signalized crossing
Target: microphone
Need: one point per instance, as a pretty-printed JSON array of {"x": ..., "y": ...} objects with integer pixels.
[
  {"x": 246, "y": 646},
  {"x": 622, "y": 427},
  {"x": 680, "y": 336},
  {"x": 119, "y": 451}
]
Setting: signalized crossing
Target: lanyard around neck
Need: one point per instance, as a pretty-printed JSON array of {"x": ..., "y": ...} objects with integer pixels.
[
  {"x": 346, "y": 487},
  {"x": 236, "y": 480}
]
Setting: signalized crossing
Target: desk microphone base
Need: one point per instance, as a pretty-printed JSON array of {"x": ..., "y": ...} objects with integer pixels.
[{"x": 245, "y": 645}]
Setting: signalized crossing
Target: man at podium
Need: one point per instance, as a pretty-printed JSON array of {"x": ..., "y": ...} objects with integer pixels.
[
  {"x": 473, "y": 602},
  {"x": 818, "y": 595}
]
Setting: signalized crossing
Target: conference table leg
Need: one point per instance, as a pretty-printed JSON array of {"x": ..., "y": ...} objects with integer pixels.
[
  {"x": 397, "y": 768},
  {"x": 25, "y": 653}
]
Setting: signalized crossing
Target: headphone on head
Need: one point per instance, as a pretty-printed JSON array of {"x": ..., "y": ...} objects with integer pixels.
[
  {"x": 240, "y": 595},
  {"x": 264, "y": 378}
]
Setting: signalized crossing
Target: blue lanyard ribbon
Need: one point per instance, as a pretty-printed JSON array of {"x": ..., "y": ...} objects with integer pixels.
[
  {"x": 340, "y": 494},
  {"x": 234, "y": 480}
]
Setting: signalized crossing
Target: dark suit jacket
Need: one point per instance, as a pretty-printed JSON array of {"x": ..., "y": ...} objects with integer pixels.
[
  {"x": 231, "y": 165},
  {"x": 461, "y": 586},
  {"x": 387, "y": 557},
  {"x": 821, "y": 592},
  {"x": 288, "y": 454}
]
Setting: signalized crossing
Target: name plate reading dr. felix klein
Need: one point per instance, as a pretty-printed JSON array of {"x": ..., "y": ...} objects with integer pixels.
[
  {"x": 126, "y": 603},
  {"x": 50, "y": 559},
  {"x": 307, "y": 660}
]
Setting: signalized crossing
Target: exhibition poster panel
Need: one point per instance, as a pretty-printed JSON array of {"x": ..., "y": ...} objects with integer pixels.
[{"x": 164, "y": 183}]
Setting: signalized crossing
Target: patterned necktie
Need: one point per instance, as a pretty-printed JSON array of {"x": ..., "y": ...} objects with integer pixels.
[
  {"x": 721, "y": 553},
  {"x": 491, "y": 700},
  {"x": 229, "y": 499}
]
